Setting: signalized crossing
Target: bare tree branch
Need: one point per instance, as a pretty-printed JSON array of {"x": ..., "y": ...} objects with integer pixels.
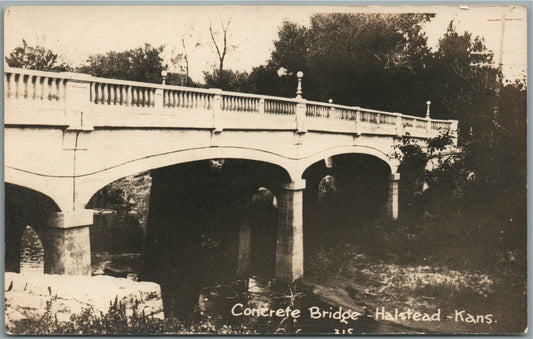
[
  {"x": 221, "y": 55},
  {"x": 186, "y": 58}
]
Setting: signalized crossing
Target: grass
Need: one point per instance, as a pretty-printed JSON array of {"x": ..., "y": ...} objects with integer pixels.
[{"x": 391, "y": 280}]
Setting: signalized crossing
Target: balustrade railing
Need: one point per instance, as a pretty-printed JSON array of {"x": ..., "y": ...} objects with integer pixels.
[
  {"x": 117, "y": 94},
  {"x": 236, "y": 103},
  {"x": 187, "y": 99},
  {"x": 280, "y": 106},
  {"x": 440, "y": 125},
  {"x": 37, "y": 86}
]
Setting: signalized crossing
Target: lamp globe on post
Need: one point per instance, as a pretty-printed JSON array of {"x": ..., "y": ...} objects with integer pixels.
[
  {"x": 300, "y": 75},
  {"x": 164, "y": 76}
]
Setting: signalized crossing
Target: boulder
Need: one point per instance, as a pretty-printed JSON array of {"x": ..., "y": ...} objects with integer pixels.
[{"x": 28, "y": 296}]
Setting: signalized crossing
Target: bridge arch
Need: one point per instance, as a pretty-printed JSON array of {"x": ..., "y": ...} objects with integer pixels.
[
  {"x": 47, "y": 186},
  {"x": 305, "y": 163},
  {"x": 91, "y": 183}
]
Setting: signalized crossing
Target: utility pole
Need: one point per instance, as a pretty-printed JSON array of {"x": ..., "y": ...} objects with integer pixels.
[
  {"x": 502, "y": 38},
  {"x": 496, "y": 108}
]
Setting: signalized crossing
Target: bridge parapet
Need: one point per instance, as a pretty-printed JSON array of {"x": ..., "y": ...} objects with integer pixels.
[{"x": 109, "y": 102}]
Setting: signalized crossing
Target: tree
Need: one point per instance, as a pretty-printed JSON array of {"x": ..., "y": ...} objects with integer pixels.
[
  {"x": 369, "y": 60},
  {"x": 37, "y": 58},
  {"x": 181, "y": 60},
  {"x": 228, "y": 80},
  {"x": 140, "y": 64},
  {"x": 464, "y": 86},
  {"x": 223, "y": 49}
]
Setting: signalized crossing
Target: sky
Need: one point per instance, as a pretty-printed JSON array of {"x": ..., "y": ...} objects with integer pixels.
[{"x": 75, "y": 33}]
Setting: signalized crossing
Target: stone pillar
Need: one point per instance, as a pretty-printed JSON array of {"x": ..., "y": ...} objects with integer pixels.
[
  {"x": 66, "y": 242},
  {"x": 289, "y": 247},
  {"x": 392, "y": 200}
]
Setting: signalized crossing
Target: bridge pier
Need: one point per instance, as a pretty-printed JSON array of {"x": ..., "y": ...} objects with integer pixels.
[
  {"x": 66, "y": 242},
  {"x": 392, "y": 200},
  {"x": 244, "y": 251},
  {"x": 289, "y": 247}
]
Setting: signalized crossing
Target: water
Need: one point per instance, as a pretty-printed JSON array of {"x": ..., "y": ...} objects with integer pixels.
[{"x": 31, "y": 252}]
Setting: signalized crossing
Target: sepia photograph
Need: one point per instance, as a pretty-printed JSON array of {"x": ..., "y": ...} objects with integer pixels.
[{"x": 265, "y": 169}]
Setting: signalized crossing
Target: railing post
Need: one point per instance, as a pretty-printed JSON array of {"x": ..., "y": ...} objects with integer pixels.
[
  {"x": 77, "y": 102},
  {"x": 454, "y": 131},
  {"x": 159, "y": 99},
  {"x": 357, "y": 121},
  {"x": 217, "y": 109},
  {"x": 428, "y": 127},
  {"x": 301, "y": 108},
  {"x": 399, "y": 126},
  {"x": 262, "y": 106}
]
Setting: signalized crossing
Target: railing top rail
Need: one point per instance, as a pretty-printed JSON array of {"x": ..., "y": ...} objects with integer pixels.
[
  {"x": 90, "y": 78},
  {"x": 414, "y": 117},
  {"x": 59, "y": 75},
  {"x": 351, "y": 108},
  {"x": 362, "y": 109},
  {"x": 442, "y": 120},
  {"x": 258, "y": 96}
]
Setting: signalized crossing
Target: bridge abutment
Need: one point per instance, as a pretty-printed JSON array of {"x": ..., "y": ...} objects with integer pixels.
[
  {"x": 65, "y": 237},
  {"x": 289, "y": 248}
]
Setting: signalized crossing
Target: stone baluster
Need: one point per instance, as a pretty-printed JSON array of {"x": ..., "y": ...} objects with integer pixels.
[
  {"x": 105, "y": 94},
  {"x": 46, "y": 89},
  {"x": 61, "y": 89},
  {"x": 112, "y": 94},
  {"x": 12, "y": 85}
]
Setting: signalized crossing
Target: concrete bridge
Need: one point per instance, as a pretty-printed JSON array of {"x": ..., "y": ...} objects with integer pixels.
[{"x": 67, "y": 135}]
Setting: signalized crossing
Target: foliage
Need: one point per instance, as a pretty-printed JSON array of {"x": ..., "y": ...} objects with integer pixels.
[
  {"x": 463, "y": 86},
  {"x": 37, "y": 58},
  {"x": 140, "y": 64},
  {"x": 117, "y": 322},
  {"x": 372, "y": 60},
  {"x": 180, "y": 79},
  {"x": 473, "y": 212},
  {"x": 227, "y": 80}
]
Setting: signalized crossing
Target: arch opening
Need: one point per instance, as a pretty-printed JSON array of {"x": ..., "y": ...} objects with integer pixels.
[
  {"x": 193, "y": 214},
  {"x": 345, "y": 195},
  {"x": 24, "y": 207},
  {"x": 32, "y": 252}
]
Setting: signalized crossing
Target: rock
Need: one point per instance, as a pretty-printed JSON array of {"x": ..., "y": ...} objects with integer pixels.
[{"x": 30, "y": 295}]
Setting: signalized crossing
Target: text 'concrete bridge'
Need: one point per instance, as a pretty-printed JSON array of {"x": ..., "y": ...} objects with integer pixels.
[{"x": 68, "y": 135}]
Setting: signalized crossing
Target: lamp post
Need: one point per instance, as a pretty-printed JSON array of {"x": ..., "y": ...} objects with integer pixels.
[
  {"x": 300, "y": 75},
  {"x": 164, "y": 75},
  {"x": 428, "y": 105}
]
